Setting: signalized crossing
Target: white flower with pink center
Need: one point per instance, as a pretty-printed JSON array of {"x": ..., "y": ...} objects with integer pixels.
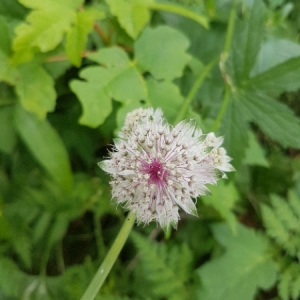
[{"x": 157, "y": 168}]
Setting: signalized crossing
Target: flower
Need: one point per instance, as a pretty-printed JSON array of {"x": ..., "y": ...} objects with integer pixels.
[{"x": 157, "y": 169}]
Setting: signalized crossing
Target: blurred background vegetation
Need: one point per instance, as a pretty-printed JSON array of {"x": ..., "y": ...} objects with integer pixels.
[{"x": 71, "y": 70}]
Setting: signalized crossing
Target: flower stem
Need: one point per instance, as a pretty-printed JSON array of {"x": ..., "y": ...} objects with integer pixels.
[
  {"x": 176, "y": 9},
  {"x": 109, "y": 260},
  {"x": 194, "y": 90},
  {"x": 223, "y": 59}
]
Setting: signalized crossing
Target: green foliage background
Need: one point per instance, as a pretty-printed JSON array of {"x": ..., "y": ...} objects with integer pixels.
[{"x": 69, "y": 73}]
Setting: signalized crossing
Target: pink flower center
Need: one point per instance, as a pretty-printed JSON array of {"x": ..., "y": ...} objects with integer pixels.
[{"x": 157, "y": 174}]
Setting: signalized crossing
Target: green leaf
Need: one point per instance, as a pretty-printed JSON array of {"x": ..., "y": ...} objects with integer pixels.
[
  {"x": 166, "y": 95},
  {"x": 282, "y": 77},
  {"x": 274, "y": 118},
  {"x": 45, "y": 145},
  {"x": 36, "y": 89},
  {"x": 254, "y": 153},
  {"x": 77, "y": 35},
  {"x": 167, "y": 271},
  {"x": 7, "y": 131},
  {"x": 234, "y": 128},
  {"x": 254, "y": 35},
  {"x": 132, "y": 15},
  {"x": 120, "y": 80},
  {"x": 44, "y": 28},
  {"x": 165, "y": 62},
  {"x": 274, "y": 51},
  {"x": 247, "y": 41},
  {"x": 223, "y": 198},
  {"x": 242, "y": 270}
]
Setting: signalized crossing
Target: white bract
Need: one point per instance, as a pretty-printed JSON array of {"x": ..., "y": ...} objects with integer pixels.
[{"x": 157, "y": 168}]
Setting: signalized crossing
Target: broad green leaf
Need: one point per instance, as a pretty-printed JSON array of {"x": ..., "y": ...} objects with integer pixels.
[
  {"x": 77, "y": 35},
  {"x": 223, "y": 198},
  {"x": 45, "y": 145},
  {"x": 44, "y": 28},
  {"x": 242, "y": 270},
  {"x": 254, "y": 153},
  {"x": 234, "y": 128},
  {"x": 274, "y": 51},
  {"x": 132, "y": 15},
  {"x": 274, "y": 118},
  {"x": 7, "y": 130},
  {"x": 36, "y": 89},
  {"x": 166, "y": 95},
  {"x": 162, "y": 52},
  {"x": 280, "y": 78},
  {"x": 120, "y": 80}
]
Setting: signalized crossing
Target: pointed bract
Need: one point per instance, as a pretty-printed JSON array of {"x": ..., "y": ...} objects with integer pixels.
[{"x": 157, "y": 168}]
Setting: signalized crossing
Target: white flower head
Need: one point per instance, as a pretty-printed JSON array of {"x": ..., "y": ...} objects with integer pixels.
[{"x": 157, "y": 169}]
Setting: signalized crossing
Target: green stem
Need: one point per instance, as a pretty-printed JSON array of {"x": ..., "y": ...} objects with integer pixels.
[
  {"x": 194, "y": 90},
  {"x": 224, "y": 57},
  {"x": 96, "y": 283},
  {"x": 222, "y": 111},
  {"x": 98, "y": 236},
  {"x": 180, "y": 11}
]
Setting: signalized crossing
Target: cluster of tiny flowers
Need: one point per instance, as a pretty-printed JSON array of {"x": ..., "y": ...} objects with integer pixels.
[{"x": 157, "y": 168}]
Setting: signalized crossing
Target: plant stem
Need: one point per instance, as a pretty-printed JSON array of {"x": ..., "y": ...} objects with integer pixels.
[
  {"x": 194, "y": 90},
  {"x": 223, "y": 59},
  {"x": 109, "y": 260},
  {"x": 180, "y": 11}
]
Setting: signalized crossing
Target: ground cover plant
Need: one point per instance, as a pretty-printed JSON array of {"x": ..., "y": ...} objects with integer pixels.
[{"x": 70, "y": 73}]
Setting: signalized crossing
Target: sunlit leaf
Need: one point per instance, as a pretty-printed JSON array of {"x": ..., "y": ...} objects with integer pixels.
[
  {"x": 44, "y": 28},
  {"x": 133, "y": 15},
  {"x": 165, "y": 62}
]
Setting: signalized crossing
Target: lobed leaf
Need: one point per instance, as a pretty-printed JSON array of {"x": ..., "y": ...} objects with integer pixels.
[
  {"x": 242, "y": 270},
  {"x": 77, "y": 35},
  {"x": 120, "y": 81},
  {"x": 165, "y": 62},
  {"x": 44, "y": 28},
  {"x": 132, "y": 15},
  {"x": 274, "y": 118}
]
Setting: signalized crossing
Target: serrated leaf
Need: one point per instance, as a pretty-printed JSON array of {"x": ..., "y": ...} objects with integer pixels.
[
  {"x": 7, "y": 132},
  {"x": 274, "y": 51},
  {"x": 77, "y": 35},
  {"x": 223, "y": 198},
  {"x": 35, "y": 89},
  {"x": 45, "y": 145},
  {"x": 166, "y": 95},
  {"x": 165, "y": 62},
  {"x": 44, "y": 28},
  {"x": 247, "y": 41},
  {"x": 132, "y": 15},
  {"x": 274, "y": 118},
  {"x": 254, "y": 153},
  {"x": 120, "y": 80},
  {"x": 280, "y": 78},
  {"x": 242, "y": 270},
  {"x": 168, "y": 272},
  {"x": 234, "y": 128}
]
